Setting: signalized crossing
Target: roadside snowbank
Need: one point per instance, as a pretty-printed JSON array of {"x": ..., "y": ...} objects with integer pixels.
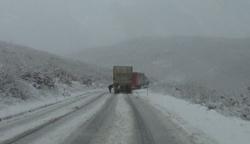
[{"x": 199, "y": 122}]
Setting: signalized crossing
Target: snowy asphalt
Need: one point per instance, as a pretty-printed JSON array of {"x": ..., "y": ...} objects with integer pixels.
[{"x": 96, "y": 119}]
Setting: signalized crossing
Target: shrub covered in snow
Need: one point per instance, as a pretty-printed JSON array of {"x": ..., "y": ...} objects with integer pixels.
[
  {"x": 11, "y": 86},
  {"x": 86, "y": 81},
  {"x": 39, "y": 80},
  {"x": 197, "y": 92}
]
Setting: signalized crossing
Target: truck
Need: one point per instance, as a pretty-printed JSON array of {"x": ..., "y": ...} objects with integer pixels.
[
  {"x": 136, "y": 80},
  {"x": 139, "y": 80},
  {"x": 122, "y": 79}
]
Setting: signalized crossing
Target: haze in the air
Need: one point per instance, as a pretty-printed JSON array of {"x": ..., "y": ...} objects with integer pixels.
[
  {"x": 125, "y": 71},
  {"x": 62, "y": 26}
]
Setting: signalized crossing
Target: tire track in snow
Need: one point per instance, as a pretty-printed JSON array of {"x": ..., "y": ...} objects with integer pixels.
[
  {"x": 119, "y": 126},
  {"x": 52, "y": 121}
]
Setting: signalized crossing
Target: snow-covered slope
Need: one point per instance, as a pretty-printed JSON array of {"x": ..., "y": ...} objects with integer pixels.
[
  {"x": 26, "y": 73},
  {"x": 205, "y": 70},
  {"x": 205, "y": 126}
]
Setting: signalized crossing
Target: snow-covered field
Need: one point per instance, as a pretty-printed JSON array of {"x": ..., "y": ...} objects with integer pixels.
[{"x": 205, "y": 126}]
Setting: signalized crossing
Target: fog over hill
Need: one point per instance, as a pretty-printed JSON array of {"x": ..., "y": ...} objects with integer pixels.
[
  {"x": 218, "y": 60},
  {"x": 189, "y": 65},
  {"x": 25, "y": 72}
]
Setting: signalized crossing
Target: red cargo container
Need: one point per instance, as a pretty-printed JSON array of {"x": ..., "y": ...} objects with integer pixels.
[
  {"x": 137, "y": 80},
  {"x": 134, "y": 80}
]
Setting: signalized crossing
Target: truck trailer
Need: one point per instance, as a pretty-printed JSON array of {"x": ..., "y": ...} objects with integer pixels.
[
  {"x": 122, "y": 79},
  {"x": 136, "y": 80},
  {"x": 139, "y": 80}
]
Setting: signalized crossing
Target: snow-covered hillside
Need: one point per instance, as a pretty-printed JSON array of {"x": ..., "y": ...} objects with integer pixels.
[
  {"x": 212, "y": 71},
  {"x": 27, "y": 74}
]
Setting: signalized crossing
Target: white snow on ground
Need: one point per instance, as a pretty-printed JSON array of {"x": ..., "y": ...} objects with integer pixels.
[
  {"x": 60, "y": 134},
  {"x": 122, "y": 130},
  {"x": 119, "y": 126},
  {"x": 28, "y": 105},
  {"x": 200, "y": 122},
  {"x": 9, "y": 133}
]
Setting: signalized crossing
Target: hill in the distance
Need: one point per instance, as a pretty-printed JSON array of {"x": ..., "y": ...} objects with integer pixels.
[
  {"x": 206, "y": 70},
  {"x": 218, "y": 61},
  {"x": 25, "y": 72}
]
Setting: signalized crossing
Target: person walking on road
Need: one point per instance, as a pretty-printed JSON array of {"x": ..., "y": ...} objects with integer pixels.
[{"x": 110, "y": 88}]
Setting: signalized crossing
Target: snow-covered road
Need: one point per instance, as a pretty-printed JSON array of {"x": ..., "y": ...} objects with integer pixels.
[
  {"x": 127, "y": 119},
  {"x": 101, "y": 118},
  {"x": 17, "y": 129}
]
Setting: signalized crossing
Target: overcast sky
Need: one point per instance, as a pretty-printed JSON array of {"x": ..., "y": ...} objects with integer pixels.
[{"x": 65, "y": 25}]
